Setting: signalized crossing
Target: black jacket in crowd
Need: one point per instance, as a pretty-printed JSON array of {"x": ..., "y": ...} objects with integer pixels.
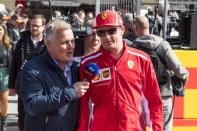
[
  {"x": 13, "y": 33},
  {"x": 24, "y": 50}
]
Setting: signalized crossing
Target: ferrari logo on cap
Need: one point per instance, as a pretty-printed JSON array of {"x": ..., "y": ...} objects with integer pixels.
[
  {"x": 103, "y": 16},
  {"x": 130, "y": 64}
]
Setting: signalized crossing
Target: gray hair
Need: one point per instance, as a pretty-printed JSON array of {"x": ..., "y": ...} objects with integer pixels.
[
  {"x": 128, "y": 19},
  {"x": 53, "y": 26}
]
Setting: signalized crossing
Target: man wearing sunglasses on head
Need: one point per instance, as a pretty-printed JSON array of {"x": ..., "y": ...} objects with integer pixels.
[
  {"x": 91, "y": 41},
  {"x": 126, "y": 79}
]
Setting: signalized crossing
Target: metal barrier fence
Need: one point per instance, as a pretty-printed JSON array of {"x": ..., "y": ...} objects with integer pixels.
[{"x": 118, "y": 5}]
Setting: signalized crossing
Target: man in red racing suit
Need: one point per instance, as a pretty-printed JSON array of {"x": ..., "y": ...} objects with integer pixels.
[{"x": 121, "y": 86}]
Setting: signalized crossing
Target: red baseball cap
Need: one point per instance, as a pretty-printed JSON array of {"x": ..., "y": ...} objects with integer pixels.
[{"x": 108, "y": 18}]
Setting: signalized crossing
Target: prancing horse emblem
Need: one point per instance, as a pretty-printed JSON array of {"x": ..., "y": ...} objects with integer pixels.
[
  {"x": 130, "y": 64},
  {"x": 104, "y": 16}
]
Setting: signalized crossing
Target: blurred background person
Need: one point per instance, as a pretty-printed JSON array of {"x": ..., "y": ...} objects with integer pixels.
[
  {"x": 155, "y": 20},
  {"x": 13, "y": 30},
  {"x": 128, "y": 22},
  {"x": 173, "y": 23},
  {"x": 4, "y": 17},
  {"x": 92, "y": 41},
  {"x": 57, "y": 14},
  {"x": 89, "y": 15},
  {"x": 22, "y": 22},
  {"x": 31, "y": 42},
  {"x": 5, "y": 48},
  {"x": 80, "y": 17},
  {"x": 16, "y": 10}
]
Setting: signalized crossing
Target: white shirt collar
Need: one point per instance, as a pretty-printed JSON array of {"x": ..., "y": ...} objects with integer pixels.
[{"x": 35, "y": 41}]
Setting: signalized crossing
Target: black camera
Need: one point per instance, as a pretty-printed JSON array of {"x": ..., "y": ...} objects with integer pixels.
[{"x": 178, "y": 86}]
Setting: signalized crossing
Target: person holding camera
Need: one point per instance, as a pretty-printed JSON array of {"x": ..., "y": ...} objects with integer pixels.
[{"x": 169, "y": 59}]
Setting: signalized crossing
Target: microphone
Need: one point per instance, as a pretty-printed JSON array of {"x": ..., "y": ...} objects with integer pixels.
[{"x": 91, "y": 71}]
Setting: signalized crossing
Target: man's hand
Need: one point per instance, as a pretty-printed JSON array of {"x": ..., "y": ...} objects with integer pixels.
[
  {"x": 19, "y": 6},
  {"x": 81, "y": 87}
]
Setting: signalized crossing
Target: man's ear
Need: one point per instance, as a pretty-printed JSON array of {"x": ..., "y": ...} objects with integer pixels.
[
  {"x": 122, "y": 30},
  {"x": 47, "y": 43}
]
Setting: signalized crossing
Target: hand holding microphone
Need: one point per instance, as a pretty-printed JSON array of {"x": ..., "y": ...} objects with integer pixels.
[
  {"x": 90, "y": 72},
  {"x": 81, "y": 87}
]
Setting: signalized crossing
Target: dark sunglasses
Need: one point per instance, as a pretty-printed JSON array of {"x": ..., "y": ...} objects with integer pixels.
[{"x": 103, "y": 33}]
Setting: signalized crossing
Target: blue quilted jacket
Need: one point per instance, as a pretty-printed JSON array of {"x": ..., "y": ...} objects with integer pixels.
[{"x": 50, "y": 103}]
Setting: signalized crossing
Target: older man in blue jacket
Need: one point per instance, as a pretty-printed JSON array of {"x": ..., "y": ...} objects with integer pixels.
[{"x": 49, "y": 87}]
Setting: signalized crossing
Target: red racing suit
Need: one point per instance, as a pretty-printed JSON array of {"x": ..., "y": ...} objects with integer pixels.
[{"x": 117, "y": 92}]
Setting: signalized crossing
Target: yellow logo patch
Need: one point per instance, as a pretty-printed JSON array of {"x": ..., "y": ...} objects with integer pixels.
[
  {"x": 103, "y": 16},
  {"x": 130, "y": 64}
]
